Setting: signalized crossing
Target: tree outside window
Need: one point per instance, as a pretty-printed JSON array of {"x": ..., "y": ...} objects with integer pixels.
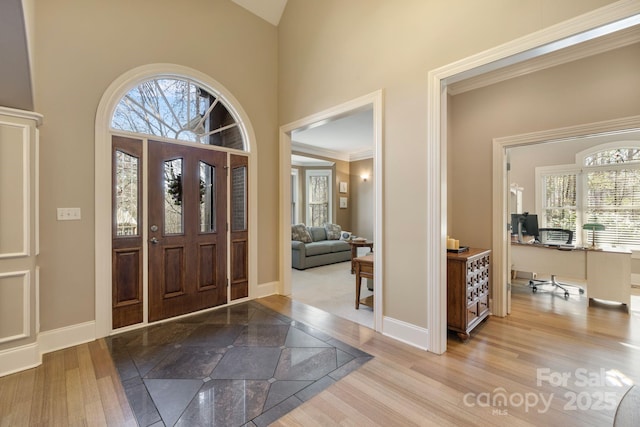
[
  {"x": 319, "y": 196},
  {"x": 610, "y": 180}
]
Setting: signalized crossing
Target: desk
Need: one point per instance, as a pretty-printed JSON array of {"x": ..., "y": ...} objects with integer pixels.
[
  {"x": 364, "y": 268},
  {"x": 607, "y": 273},
  {"x": 355, "y": 244}
]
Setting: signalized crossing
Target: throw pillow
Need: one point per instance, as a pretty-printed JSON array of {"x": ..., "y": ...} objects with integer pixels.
[
  {"x": 333, "y": 231},
  {"x": 300, "y": 233},
  {"x": 345, "y": 235}
]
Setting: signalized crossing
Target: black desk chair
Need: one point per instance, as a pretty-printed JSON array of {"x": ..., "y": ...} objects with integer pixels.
[{"x": 555, "y": 237}]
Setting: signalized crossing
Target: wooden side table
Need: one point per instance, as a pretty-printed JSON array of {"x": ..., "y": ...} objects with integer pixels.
[
  {"x": 364, "y": 268},
  {"x": 355, "y": 244}
]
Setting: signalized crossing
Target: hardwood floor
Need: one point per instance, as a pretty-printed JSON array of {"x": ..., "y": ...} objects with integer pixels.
[
  {"x": 545, "y": 336},
  {"x": 76, "y": 386},
  {"x": 404, "y": 386}
]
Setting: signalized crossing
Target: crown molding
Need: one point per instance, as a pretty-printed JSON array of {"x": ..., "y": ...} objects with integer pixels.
[
  {"x": 361, "y": 155},
  {"x": 603, "y": 44},
  {"x": 317, "y": 151},
  {"x": 331, "y": 154}
]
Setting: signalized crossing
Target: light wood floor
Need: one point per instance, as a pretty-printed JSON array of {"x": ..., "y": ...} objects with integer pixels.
[{"x": 401, "y": 386}]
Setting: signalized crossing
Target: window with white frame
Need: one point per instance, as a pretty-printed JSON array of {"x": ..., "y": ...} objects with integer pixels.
[
  {"x": 602, "y": 187},
  {"x": 294, "y": 196},
  {"x": 559, "y": 199},
  {"x": 319, "y": 196}
]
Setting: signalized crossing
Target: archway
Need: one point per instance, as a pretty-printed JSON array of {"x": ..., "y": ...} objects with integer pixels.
[{"x": 103, "y": 165}]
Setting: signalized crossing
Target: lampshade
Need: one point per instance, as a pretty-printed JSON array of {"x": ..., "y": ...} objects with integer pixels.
[{"x": 593, "y": 227}]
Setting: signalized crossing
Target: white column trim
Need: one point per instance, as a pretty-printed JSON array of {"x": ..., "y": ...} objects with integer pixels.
[
  {"x": 26, "y": 305},
  {"x": 25, "y": 129}
]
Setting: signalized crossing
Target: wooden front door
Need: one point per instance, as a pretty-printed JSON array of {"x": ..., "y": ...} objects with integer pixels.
[{"x": 187, "y": 229}]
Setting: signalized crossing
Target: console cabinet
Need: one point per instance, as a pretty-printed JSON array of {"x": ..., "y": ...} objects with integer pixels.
[{"x": 468, "y": 283}]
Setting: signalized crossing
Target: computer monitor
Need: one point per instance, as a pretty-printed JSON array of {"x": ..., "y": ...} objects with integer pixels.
[{"x": 528, "y": 227}]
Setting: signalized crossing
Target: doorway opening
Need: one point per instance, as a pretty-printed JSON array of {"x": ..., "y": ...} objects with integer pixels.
[
  {"x": 327, "y": 165},
  {"x": 590, "y": 26},
  {"x": 560, "y": 148},
  {"x": 344, "y": 208}
]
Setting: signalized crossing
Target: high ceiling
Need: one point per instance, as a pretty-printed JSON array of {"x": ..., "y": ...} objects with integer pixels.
[
  {"x": 269, "y": 10},
  {"x": 15, "y": 73},
  {"x": 15, "y": 70}
]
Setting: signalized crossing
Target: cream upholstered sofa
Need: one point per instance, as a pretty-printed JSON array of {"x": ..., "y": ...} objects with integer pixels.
[{"x": 315, "y": 246}]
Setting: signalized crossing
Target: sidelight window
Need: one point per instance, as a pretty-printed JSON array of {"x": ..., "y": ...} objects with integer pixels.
[{"x": 126, "y": 194}]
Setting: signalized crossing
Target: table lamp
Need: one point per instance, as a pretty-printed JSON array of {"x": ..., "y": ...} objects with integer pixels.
[{"x": 593, "y": 227}]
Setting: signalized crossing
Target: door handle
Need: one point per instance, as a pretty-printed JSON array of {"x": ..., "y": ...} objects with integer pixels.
[{"x": 154, "y": 240}]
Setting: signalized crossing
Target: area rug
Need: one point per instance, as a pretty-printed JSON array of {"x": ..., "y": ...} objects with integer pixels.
[{"x": 233, "y": 366}]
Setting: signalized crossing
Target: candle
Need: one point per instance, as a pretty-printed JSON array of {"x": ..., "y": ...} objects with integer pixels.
[{"x": 451, "y": 244}]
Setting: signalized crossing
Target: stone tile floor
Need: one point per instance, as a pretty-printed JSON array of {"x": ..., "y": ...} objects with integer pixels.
[{"x": 243, "y": 365}]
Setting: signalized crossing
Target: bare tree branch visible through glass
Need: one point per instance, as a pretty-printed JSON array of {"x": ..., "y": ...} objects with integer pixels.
[{"x": 178, "y": 109}]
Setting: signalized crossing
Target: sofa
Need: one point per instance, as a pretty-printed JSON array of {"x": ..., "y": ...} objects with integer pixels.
[{"x": 316, "y": 246}]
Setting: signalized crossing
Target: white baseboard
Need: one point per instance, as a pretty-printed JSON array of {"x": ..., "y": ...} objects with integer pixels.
[
  {"x": 19, "y": 358},
  {"x": 68, "y": 336},
  {"x": 266, "y": 289},
  {"x": 406, "y": 333},
  {"x": 29, "y": 356}
]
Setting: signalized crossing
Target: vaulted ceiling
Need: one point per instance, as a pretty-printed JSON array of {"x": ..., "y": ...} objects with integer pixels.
[
  {"x": 15, "y": 73},
  {"x": 269, "y": 10},
  {"x": 16, "y": 89}
]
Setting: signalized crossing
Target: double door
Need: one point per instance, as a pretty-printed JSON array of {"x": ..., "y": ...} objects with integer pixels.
[{"x": 185, "y": 232}]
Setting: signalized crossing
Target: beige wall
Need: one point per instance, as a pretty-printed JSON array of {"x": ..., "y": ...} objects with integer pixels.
[
  {"x": 324, "y": 53},
  {"x": 361, "y": 198},
  {"x": 524, "y": 161},
  {"x": 332, "y": 51},
  {"x": 589, "y": 90},
  {"x": 81, "y": 47},
  {"x": 343, "y": 216}
]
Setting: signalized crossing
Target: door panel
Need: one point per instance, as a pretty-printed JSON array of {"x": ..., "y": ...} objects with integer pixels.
[
  {"x": 239, "y": 227},
  {"x": 174, "y": 271},
  {"x": 207, "y": 266},
  {"x": 127, "y": 296},
  {"x": 187, "y": 233}
]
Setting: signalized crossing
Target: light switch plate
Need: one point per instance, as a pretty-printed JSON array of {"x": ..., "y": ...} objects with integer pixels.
[{"x": 68, "y": 214}]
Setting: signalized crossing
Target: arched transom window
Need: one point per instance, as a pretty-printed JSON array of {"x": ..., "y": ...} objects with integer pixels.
[
  {"x": 613, "y": 156},
  {"x": 602, "y": 187},
  {"x": 178, "y": 108}
]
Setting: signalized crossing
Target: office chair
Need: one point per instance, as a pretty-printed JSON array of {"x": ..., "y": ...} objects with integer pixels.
[{"x": 562, "y": 239}]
